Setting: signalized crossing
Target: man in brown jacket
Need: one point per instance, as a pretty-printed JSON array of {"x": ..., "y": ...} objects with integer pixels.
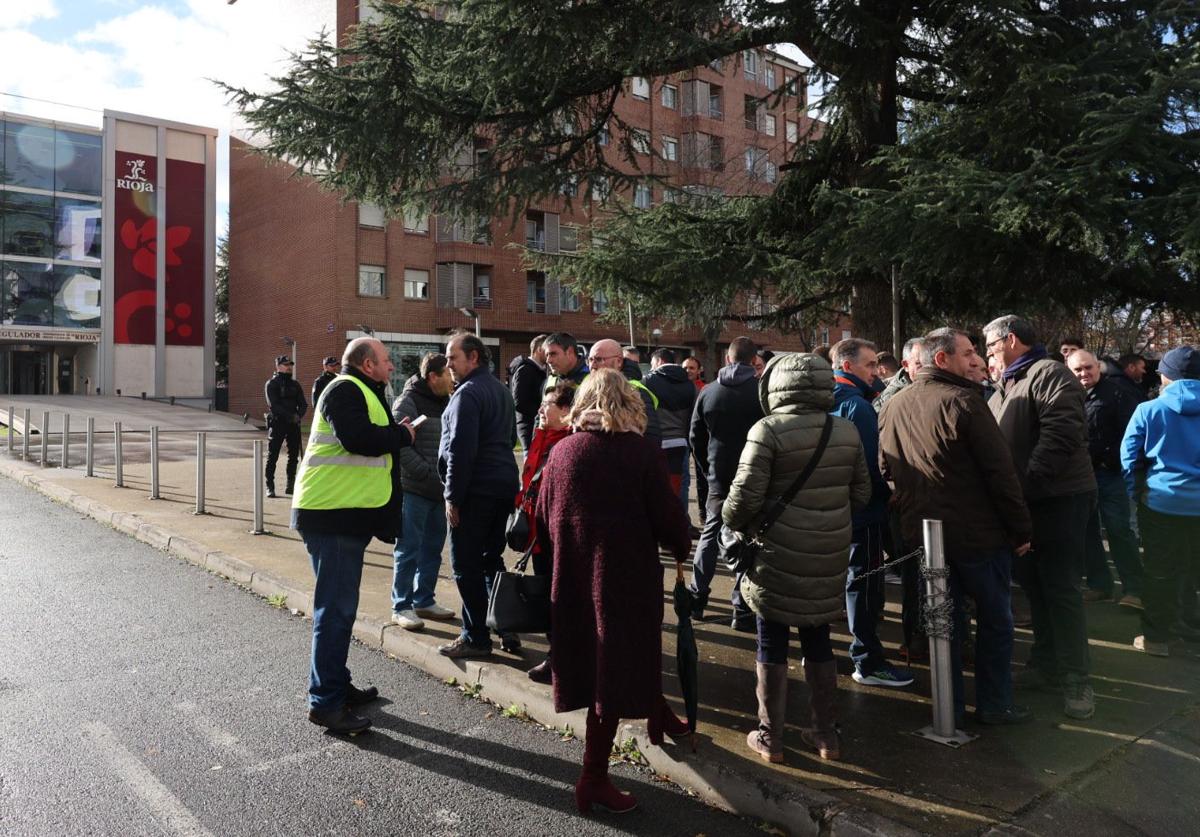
[
  {"x": 1040, "y": 409},
  {"x": 941, "y": 447}
]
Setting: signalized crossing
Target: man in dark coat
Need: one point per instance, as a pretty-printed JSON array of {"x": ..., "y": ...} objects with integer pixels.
[
  {"x": 721, "y": 420},
  {"x": 1109, "y": 409},
  {"x": 331, "y": 366},
  {"x": 854, "y": 386},
  {"x": 477, "y": 468},
  {"x": 527, "y": 377},
  {"x": 940, "y": 445},
  {"x": 285, "y": 397},
  {"x": 1040, "y": 409},
  {"x": 676, "y": 397}
]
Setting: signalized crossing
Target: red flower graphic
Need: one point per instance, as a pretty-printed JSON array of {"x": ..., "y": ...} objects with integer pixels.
[{"x": 143, "y": 241}]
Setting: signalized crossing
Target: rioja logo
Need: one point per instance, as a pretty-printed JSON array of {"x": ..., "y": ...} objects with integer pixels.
[{"x": 136, "y": 179}]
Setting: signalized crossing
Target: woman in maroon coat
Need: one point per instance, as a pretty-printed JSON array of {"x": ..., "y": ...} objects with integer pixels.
[{"x": 604, "y": 507}]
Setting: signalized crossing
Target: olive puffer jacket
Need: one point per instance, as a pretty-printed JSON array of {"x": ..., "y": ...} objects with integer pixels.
[{"x": 800, "y": 576}]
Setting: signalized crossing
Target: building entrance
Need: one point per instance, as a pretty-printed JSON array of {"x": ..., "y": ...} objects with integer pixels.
[{"x": 30, "y": 373}]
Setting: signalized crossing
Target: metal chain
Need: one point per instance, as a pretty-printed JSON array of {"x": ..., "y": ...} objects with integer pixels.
[
  {"x": 937, "y": 609},
  {"x": 887, "y": 565}
]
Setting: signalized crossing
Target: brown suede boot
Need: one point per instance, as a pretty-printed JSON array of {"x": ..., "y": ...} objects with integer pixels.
[
  {"x": 767, "y": 740},
  {"x": 822, "y": 685}
]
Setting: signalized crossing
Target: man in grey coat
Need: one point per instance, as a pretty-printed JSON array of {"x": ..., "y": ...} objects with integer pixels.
[
  {"x": 418, "y": 551},
  {"x": 1039, "y": 406}
]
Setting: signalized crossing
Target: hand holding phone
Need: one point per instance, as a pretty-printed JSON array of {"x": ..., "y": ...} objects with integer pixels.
[{"x": 418, "y": 421}]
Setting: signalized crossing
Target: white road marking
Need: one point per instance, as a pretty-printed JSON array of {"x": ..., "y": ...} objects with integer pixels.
[
  {"x": 218, "y": 736},
  {"x": 158, "y": 800}
]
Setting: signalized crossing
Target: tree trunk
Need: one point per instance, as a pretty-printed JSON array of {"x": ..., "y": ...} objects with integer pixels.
[{"x": 871, "y": 310}]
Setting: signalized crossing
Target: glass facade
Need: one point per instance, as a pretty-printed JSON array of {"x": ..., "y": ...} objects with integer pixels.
[{"x": 50, "y": 233}]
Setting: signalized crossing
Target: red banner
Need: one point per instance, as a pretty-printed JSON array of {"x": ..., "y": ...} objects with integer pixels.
[
  {"x": 135, "y": 255},
  {"x": 185, "y": 253}
]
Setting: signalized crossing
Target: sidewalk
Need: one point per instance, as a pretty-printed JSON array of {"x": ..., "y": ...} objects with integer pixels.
[{"x": 1028, "y": 779}]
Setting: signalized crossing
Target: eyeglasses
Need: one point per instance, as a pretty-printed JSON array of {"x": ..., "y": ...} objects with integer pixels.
[
  {"x": 610, "y": 357},
  {"x": 997, "y": 341}
]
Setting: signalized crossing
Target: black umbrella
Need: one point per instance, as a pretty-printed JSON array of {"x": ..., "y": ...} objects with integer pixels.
[{"x": 687, "y": 657}]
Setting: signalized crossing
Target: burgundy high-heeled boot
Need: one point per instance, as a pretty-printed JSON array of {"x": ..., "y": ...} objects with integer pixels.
[
  {"x": 664, "y": 720},
  {"x": 594, "y": 787}
]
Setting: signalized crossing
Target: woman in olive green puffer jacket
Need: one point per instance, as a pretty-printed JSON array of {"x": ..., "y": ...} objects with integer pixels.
[{"x": 799, "y": 578}]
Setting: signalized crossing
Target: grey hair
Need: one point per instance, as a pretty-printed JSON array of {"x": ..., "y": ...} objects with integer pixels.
[
  {"x": 910, "y": 345},
  {"x": 848, "y": 349},
  {"x": 940, "y": 340},
  {"x": 1010, "y": 324}
]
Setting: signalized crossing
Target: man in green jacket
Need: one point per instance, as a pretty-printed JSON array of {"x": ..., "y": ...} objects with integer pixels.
[{"x": 1039, "y": 406}]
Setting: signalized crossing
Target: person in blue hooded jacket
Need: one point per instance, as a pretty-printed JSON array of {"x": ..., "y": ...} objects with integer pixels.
[
  {"x": 856, "y": 366},
  {"x": 1160, "y": 457}
]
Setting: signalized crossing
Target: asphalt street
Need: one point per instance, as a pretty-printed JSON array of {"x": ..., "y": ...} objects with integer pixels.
[{"x": 141, "y": 695}]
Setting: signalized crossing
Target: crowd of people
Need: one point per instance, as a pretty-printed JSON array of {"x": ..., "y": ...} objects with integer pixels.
[{"x": 1025, "y": 457}]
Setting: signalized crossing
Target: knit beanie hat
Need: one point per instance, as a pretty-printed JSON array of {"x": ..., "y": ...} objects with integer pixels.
[{"x": 1180, "y": 363}]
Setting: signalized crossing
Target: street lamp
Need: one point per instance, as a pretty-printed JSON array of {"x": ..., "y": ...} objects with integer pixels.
[
  {"x": 291, "y": 344},
  {"x": 474, "y": 315}
]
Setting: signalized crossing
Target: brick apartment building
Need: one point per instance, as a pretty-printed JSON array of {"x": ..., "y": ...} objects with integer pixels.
[{"x": 306, "y": 268}]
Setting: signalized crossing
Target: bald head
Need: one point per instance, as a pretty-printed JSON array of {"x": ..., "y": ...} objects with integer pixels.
[
  {"x": 1085, "y": 367},
  {"x": 606, "y": 354},
  {"x": 370, "y": 357}
]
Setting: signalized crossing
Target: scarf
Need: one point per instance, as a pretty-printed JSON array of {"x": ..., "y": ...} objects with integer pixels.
[{"x": 1024, "y": 362}]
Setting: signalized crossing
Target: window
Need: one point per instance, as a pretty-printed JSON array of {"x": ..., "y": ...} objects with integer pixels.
[
  {"x": 789, "y": 84},
  {"x": 671, "y": 195},
  {"x": 472, "y": 230},
  {"x": 670, "y": 96},
  {"x": 367, "y": 13},
  {"x": 28, "y": 156},
  {"x": 414, "y": 223},
  {"x": 568, "y": 238},
  {"x": 670, "y": 148},
  {"x": 77, "y": 230},
  {"x": 371, "y": 215},
  {"x": 769, "y": 75},
  {"x": 371, "y": 280},
  {"x": 600, "y": 303},
  {"x": 28, "y": 224},
  {"x": 416, "y": 284},
  {"x": 483, "y": 288},
  {"x": 769, "y": 172},
  {"x": 716, "y": 64},
  {"x": 846, "y": 334},
  {"x": 767, "y": 125},
  {"x": 793, "y": 132},
  {"x": 570, "y": 188},
  {"x": 535, "y": 292},
  {"x": 640, "y": 141},
  {"x": 600, "y": 188},
  {"x": 568, "y": 300},
  {"x": 751, "y": 104},
  {"x": 714, "y": 101},
  {"x": 639, "y": 86},
  {"x": 756, "y": 163},
  {"x": 78, "y": 162},
  {"x": 602, "y": 136},
  {"x": 750, "y": 63},
  {"x": 642, "y": 196}
]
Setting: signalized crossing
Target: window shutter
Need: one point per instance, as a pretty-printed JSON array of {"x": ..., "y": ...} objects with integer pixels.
[
  {"x": 464, "y": 281},
  {"x": 551, "y": 224},
  {"x": 445, "y": 228},
  {"x": 553, "y": 300},
  {"x": 445, "y": 284}
]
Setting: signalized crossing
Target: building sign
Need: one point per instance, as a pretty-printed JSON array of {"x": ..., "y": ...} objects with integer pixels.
[
  {"x": 185, "y": 254},
  {"x": 48, "y": 335},
  {"x": 135, "y": 256}
]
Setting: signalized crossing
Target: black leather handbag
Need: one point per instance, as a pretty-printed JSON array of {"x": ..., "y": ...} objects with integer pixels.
[
  {"x": 520, "y": 603},
  {"x": 519, "y": 526},
  {"x": 739, "y": 552}
]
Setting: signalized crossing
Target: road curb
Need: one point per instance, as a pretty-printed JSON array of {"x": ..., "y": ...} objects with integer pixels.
[{"x": 746, "y": 790}]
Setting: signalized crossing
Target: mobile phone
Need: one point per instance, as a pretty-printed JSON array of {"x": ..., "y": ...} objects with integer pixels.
[{"x": 417, "y": 422}]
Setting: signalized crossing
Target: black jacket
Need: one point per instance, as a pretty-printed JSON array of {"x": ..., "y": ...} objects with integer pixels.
[
  {"x": 319, "y": 385},
  {"x": 475, "y": 455},
  {"x": 346, "y": 412},
  {"x": 1133, "y": 392},
  {"x": 525, "y": 382},
  {"x": 721, "y": 420},
  {"x": 418, "y": 464},
  {"x": 676, "y": 399},
  {"x": 631, "y": 369},
  {"x": 286, "y": 398},
  {"x": 1109, "y": 409}
]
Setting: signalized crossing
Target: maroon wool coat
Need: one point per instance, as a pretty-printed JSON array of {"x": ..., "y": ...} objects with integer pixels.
[{"x": 604, "y": 507}]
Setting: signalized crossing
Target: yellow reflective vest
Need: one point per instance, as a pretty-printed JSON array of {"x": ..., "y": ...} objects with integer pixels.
[{"x": 333, "y": 478}]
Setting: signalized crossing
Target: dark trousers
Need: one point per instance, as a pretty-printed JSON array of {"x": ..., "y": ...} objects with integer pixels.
[
  {"x": 337, "y": 562},
  {"x": 277, "y": 434},
  {"x": 910, "y": 580},
  {"x": 1050, "y": 575},
  {"x": 986, "y": 577},
  {"x": 1172, "y": 553},
  {"x": 708, "y": 552},
  {"x": 864, "y": 597},
  {"x": 1115, "y": 514},
  {"x": 815, "y": 644},
  {"x": 476, "y": 555}
]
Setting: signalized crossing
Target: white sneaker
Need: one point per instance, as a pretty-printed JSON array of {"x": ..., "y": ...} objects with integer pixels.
[
  {"x": 435, "y": 611},
  {"x": 408, "y": 620}
]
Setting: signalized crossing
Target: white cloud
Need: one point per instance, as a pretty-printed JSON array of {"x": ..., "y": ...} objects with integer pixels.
[{"x": 17, "y": 14}]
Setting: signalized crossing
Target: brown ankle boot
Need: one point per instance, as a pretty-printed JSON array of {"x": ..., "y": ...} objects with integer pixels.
[
  {"x": 767, "y": 740},
  {"x": 822, "y": 685}
]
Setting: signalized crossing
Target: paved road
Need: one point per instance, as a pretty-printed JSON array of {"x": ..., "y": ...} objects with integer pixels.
[{"x": 140, "y": 695}]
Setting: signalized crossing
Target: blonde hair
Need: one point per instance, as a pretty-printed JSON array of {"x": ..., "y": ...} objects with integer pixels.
[{"x": 607, "y": 402}]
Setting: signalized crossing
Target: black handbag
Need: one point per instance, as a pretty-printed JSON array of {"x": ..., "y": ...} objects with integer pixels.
[
  {"x": 740, "y": 552},
  {"x": 519, "y": 604},
  {"x": 516, "y": 531}
]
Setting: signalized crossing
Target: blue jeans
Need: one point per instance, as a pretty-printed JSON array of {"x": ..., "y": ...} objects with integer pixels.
[
  {"x": 418, "y": 553},
  {"x": 337, "y": 562},
  {"x": 986, "y": 577},
  {"x": 476, "y": 555},
  {"x": 864, "y": 599},
  {"x": 1115, "y": 513},
  {"x": 708, "y": 553}
]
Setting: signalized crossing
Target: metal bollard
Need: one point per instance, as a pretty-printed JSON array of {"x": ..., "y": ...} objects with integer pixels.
[
  {"x": 154, "y": 463},
  {"x": 45, "y": 440},
  {"x": 941, "y": 673},
  {"x": 25, "y": 436},
  {"x": 10, "y": 428},
  {"x": 201, "y": 445},
  {"x": 117, "y": 454},
  {"x": 89, "y": 456},
  {"x": 258, "y": 490},
  {"x": 66, "y": 442}
]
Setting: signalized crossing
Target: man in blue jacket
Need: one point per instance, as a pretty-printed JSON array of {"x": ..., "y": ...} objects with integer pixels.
[
  {"x": 479, "y": 472},
  {"x": 855, "y": 367},
  {"x": 1160, "y": 457}
]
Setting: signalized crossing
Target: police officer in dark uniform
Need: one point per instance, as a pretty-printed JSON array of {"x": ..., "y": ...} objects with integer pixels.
[
  {"x": 332, "y": 367},
  {"x": 286, "y": 399}
]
